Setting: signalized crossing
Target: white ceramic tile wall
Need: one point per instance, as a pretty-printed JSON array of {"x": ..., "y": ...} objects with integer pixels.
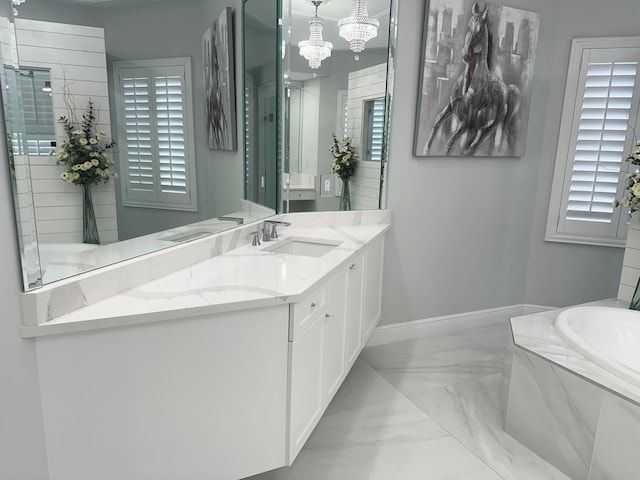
[
  {"x": 75, "y": 55},
  {"x": 365, "y": 84}
]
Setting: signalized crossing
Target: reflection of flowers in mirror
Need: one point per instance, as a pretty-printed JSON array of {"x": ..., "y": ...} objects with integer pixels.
[
  {"x": 632, "y": 183},
  {"x": 345, "y": 157},
  {"x": 84, "y": 153}
]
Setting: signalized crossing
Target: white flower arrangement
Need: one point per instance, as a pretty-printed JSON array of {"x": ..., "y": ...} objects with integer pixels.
[
  {"x": 345, "y": 158},
  {"x": 631, "y": 199},
  {"x": 85, "y": 152}
]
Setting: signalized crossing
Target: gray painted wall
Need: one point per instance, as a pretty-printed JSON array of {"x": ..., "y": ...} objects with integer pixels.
[{"x": 468, "y": 232}]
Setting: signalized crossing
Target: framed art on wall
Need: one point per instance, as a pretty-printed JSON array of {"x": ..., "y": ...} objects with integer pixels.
[
  {"x": 476, "y": 79},
  {"x": 219, "y": 83}
]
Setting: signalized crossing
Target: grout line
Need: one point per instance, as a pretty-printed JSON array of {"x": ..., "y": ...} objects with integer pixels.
[{"x": 436, "y": 421}]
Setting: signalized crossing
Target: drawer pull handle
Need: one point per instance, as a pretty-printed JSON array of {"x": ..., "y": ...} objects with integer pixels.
[
  {"x": 329, "y": 315},
  {"x": 313, "y": 305},
  {"x": 353, "y": 267}
]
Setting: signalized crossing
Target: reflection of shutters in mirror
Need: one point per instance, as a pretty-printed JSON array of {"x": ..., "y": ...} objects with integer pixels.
[
  {"x": 171, "y": 134},
  {"x": 139, "y": 144},
  {"x": 601, "y": 102},
  {"x": 155, "y": 134},
  {"x": 39, "y": 124},
  {"x": 374, "y": 129}
]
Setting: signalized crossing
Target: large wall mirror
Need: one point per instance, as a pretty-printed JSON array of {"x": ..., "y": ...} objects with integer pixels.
[
  {"x": 135, "y": 60},
  {"x": 348, "y": 94}
]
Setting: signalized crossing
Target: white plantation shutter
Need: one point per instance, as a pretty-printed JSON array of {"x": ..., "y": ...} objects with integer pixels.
[
  {"x": 377, "y": 129},
  {"x": 601, "y": 102},
  {"x": 170, "y": 119},
  {"x": 138, "y": 147},
  {"x": 157, "y": 147}
]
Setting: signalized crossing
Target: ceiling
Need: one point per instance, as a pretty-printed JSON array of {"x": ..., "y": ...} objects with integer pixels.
[{"x": 301, "y": 10}]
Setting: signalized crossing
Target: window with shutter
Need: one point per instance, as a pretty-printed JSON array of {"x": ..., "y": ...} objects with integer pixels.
[
  {"x": 37, "y": 135},
  {"x": 156, "y": 144},
  {"x": 596, "y": 134},
  {"x": 373, "y": 129}
]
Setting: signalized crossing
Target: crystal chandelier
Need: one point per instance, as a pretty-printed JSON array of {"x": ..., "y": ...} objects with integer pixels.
[
  {"x": 315, "y": 49},
  {"x": 358, "y": 27},
  {"x": 15, "y": 3}
]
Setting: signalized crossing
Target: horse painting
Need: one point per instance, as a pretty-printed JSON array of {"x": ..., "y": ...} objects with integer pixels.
[{"x": 481, "y": 103}]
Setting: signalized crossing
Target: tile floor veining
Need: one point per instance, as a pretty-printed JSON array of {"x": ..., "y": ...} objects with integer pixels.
[{"x": 426, "y": 408}]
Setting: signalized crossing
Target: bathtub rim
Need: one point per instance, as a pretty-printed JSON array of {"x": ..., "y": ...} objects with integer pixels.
[
  {"x": 535, "y": 333},
  {"x": 587, "y": 349}
]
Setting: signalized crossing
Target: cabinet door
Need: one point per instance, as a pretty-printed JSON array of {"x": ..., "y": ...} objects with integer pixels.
[
  {"x": 372, "y": 287},
  {"x": 355, "y": 276},
  {"x": 334, "y": 359},
  {"x": 307, "y": 399}
]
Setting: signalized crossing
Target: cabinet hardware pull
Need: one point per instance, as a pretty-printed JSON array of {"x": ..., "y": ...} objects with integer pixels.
[
  {"x": 329, "y": 315},
  {"x": 353, "y": 267},
  {"x": 314, "y": 305}
]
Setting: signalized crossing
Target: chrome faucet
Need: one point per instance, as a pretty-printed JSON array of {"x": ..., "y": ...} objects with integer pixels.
[
  {"x": 269, "y": 234},
  {"x": 238, "y": 220}
]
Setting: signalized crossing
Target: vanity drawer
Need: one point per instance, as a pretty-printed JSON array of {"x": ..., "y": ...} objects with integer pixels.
[{"x": 304, "y": 312}]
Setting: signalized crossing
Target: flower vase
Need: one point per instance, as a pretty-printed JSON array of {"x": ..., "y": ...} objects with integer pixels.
[
  {"x": 345, "y": 196},
  {"x": 89, "y": 225}
]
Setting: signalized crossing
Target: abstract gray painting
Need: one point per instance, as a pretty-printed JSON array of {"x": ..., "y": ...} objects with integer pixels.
[
  {"x": 219, "y": 83},
  {"x": 476, "y": 81}
]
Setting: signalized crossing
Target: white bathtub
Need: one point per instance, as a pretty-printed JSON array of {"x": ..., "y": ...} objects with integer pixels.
[{"x": 608, "y": 336}]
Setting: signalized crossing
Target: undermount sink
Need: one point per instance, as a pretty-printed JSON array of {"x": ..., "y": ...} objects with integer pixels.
[{"x": 304, "y": 247}]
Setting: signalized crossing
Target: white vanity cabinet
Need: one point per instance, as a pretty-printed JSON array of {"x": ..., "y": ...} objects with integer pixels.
[
  {"x": 196, "y": 398},
  {"x": 328, "y": 331},
  {"x": 207, "y": 391}
]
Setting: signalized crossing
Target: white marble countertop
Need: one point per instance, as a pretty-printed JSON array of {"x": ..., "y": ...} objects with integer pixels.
[
  {"x": 244, "y": 277},
  {"x": 536, "y": 333}
]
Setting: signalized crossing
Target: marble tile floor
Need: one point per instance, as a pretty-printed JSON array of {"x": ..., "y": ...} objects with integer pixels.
[{"x": 425, "y": 409}]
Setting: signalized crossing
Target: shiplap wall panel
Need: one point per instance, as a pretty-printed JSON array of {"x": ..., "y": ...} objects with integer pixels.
[
  {"x": 366, "y": 84},
  {"x": 75, "y": 55}
]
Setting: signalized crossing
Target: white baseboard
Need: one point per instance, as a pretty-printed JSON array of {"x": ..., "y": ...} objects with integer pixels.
[{"x": 398, "y": 332}]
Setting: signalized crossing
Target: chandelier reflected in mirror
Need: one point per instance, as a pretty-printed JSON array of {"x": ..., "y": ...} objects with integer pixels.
[
  {"x": 316, "y": 49},
  {"x": 358, "y": 28},
  {"x": 15, "y": 3}
]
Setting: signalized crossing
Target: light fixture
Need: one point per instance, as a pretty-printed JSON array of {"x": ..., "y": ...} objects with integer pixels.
[
  {"x": 315, "y": 49},
  {"x": 359, "y": 27},
  {"x": 15, "y": 3}
]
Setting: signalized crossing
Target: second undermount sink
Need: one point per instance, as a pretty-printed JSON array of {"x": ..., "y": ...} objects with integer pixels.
[{"x": 305, "y": 247}]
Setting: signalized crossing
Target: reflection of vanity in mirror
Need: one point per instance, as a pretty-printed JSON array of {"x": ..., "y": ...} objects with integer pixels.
[
  {"x": 286, "y": 114},
  {"x": 87, "y": 50}
]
